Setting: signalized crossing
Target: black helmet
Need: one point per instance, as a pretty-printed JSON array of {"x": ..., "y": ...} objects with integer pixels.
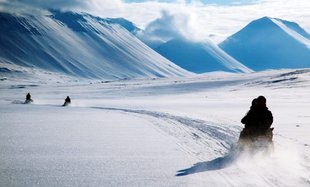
[{"x": 261, "y": 100}]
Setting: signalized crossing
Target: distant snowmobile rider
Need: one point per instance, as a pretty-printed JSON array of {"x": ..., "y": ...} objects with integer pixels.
[
  {"x": 28, "y": 99},
  {"x": 67, "y": 101}
]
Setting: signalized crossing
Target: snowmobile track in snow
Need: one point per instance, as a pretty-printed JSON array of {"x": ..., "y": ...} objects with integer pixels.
[
  {"x": 197, "y": 137},
  {"x": 211, "y": 145}
]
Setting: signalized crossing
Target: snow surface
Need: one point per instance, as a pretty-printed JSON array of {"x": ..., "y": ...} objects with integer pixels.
[
  {"x": 270, "y": 43},
  {"x": 80, "y": 45},
  {"x": 150, "y": 132}
]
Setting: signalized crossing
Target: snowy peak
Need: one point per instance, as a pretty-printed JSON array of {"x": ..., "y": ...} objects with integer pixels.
[
  {"x": 293, "y": 26},
  {"x": 79, "y": 45},
  {"x": 270, "y": 43},
  {"x": 199, "y": 57},
  {"x": 78, "y": 21},
  {"x": 128, "y": 25},
  {"x": 267, "y": 25},
  {"x": 73, "y": 20}
]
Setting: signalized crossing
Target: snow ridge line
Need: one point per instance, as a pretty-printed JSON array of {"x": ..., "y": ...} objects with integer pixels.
[
  {"x": 200, "y": 136},
  {"x": 292, "y": 33}
]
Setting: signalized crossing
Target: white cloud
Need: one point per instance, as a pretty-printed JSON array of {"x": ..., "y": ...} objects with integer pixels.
[
  {"x": 207, "y": 21},
  {"x": 194, "y": 20},
  {"x": 168, "y": 26},
  {"x": 47, "y": 3}
]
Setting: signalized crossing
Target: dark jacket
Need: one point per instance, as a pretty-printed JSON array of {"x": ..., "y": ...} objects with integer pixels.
[
  {"x": 258, "y": 120},
  {"x": 67, "y": 101},
  {"x": 28, "y": 96}
]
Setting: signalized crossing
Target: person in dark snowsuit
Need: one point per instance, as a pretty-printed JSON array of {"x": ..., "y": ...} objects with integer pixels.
[
  {"x": 257, "y": 121},
  {"x": 28, "y": 99},
  {"x": 245, "y": 133},
  {"x": 67, "y": 101}
]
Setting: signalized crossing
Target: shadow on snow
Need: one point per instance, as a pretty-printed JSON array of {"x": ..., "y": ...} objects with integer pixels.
[{"x": 215, "y": 164}]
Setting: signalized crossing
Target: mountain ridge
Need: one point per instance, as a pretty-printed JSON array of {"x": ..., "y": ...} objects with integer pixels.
[
  {"x": 199, "y": 57},
  {"x": 269, "y": 43},
  {"x": 79, "y": 45}
]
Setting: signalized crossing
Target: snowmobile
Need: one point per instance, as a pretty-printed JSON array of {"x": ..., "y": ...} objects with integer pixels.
[
  {"x": 28, "y": 101},
  {"x": 254, "y": 142}
]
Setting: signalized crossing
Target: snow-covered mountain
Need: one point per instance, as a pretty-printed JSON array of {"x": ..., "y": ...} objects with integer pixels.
[
  {"x": 79, "y": 45},
  {"x": 270, "y": 43},
  {"x": 199, "y": 57}
]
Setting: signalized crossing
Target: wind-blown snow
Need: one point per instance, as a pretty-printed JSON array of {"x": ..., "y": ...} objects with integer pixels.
[
  {"x": 291, "y": 32},
  {"x": 151, "y": 132},
  {"x": 128, "y": 25},
  {"x": 227, "y": 61}
]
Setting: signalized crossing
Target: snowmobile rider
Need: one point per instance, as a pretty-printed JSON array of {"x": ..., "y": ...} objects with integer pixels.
[
  {"x": 67, "y": 101},
  {"x": 257, "y": 121},
  {"x": 28, "y": 99}
]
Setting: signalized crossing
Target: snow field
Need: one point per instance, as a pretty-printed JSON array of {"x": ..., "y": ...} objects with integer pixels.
[{"x": 161, "y": 132}]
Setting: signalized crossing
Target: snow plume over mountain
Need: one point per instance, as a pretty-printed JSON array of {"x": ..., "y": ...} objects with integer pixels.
[
  {"x": 270, "y": 43},
  {"x": 80, "y": 45},
  {"x": 199, "y": 57},
  {"x": 167, "y": 27},
  {"x": 128, "y": 25},
  {"x": 168, "y": 35}
]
